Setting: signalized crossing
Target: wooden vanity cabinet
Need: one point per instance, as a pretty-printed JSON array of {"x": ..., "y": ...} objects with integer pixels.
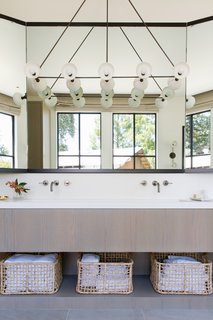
[{"x": 134, "y": 230}]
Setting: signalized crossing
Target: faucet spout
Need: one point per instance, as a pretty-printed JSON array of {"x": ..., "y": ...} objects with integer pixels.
[
  {"x": 156, "y": 183},
  {"x": 53, "y": 183}
]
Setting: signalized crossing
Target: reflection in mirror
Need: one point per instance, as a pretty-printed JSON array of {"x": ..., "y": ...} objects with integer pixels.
[
  {"x": 13, "y": 125},
  {"x": 198, "y": 139},
  {"x": 36, "y": 130},
  {"x": 6, "y": 141},
  {"x": 168, "y": 117},
  {"x": 199, "y": 115}
]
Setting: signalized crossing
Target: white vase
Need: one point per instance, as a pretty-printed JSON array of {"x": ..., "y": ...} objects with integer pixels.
[{"x": 17, "y": 196}]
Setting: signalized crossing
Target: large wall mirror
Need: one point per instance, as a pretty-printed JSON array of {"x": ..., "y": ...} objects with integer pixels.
[{"x": 103, "y": 138}]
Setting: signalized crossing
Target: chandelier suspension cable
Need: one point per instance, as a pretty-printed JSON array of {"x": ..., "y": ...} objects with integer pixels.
[
  {"x": 147, "y": 28},
  {"x": 124, "y": 33},
  {"x": 80, "y": 45},
  {"x": 62, "y": 34},
  {"x": 107, "y": 30}
]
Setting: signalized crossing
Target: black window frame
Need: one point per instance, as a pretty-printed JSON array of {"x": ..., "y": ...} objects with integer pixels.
[
  {"x": 134, "y": 156},
  {"x": 11, "y": 156},
  {"x": 79, "y": 155},
  {"x": 191, "y": 155}
]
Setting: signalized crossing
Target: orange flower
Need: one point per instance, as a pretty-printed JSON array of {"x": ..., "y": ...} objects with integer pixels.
[{"x": 18, "y": 187}]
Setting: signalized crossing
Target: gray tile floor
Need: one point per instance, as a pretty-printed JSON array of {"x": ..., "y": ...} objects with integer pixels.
[
  {"x": 143, "y": 304},
  {"x": 108, "y": 314}
]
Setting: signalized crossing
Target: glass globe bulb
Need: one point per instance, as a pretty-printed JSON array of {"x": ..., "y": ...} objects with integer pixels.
[
  {"x": 74, "y": 84},
  {"x": 51, "y": 101},
  {"x": 136, "y": 93},
  {"x": 76, "y": 94},
  {"x": 32, "y": 70},
  {"x": 144, "y": 70},
  {"x": 174, "y": 83},
  {"x": 106, "y": 102},
  {"x": 79, "y": 102},
  {"x": 140, "y": 83},
  {"x": 107, "y": 85},
  {"x": 167, "y": 93},
  {"x": 18, "y": 99},
  {"x": 106, "y": 71},
  {"x": 161, "y": 102},
  {"x": 134, "y": 102},
  {"x": 45, "y": 93},
  {"x": 69, "y": 71},
  {"x": 190, "y": 102},
  {"x": 181, "y": 70},
  {"x": 39, "y": 84},
  {"x": 107, "y": 94}
]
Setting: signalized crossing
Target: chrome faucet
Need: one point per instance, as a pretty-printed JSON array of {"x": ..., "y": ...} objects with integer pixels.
[
  {"x": 156, "y": 183},
  {"x": 53, "y": 183}
]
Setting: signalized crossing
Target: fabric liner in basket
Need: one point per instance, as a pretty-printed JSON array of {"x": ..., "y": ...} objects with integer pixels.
[
  {"x": 112, "y": 275},
  {"x": 188, "y": 277},
  {"x": 31, "y": 274}
]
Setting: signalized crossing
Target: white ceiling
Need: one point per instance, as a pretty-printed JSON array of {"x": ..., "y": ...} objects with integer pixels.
[{"x": 119, "y": 10}]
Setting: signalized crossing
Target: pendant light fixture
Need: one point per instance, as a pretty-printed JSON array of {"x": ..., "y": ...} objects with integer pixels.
[{"x": 106, "y": 71}]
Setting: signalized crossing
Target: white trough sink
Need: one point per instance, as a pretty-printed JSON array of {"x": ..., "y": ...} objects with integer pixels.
[{"x": 106, "y": 203}]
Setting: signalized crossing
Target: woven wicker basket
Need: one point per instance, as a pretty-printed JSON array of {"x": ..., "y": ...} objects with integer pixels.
[
  {"x": 30, "y": 278},
  {"x": 112, "y": 275},
  {"x": 181, "y": 278}
]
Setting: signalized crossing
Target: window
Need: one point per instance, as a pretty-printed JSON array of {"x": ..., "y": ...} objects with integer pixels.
[
  {"x": 78, "y": 138},
  {"x": 198, "y": 132},
  {"x": 134, "y": 141},
  {"x": 6, "y": 141}
]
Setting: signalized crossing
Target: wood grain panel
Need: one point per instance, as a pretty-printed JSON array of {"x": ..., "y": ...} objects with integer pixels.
[
  {"x": 135, "y": 230},
  {"x": 27, "y": 230}
]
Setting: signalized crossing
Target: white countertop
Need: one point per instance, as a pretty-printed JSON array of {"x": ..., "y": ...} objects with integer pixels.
[{"x": 106, "y": 203}]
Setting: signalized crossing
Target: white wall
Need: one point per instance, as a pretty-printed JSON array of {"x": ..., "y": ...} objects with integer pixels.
[
  {"x": 171, "y": 120},
  {"x": 12, "y": 57},
  {"x": 111, "y": 186}
]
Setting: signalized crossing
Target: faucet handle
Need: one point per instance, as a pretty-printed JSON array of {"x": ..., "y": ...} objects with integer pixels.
[
  {"x": 56, "y": 182},
  {"x": 166, "y": 182},
  {"x": 155, "y": 183},
  {"x": 144, "y": 183},
  {"x": 44, "y": 182}
]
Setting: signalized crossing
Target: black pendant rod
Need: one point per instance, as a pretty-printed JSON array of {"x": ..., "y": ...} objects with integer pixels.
[
  {"x": 59, "y": 76},
  {"x": 151, "y": 33},
  {"x": 124, "y": 33},
  {"x": 62, "y": 34},
  {"x": 107, "y": 30}
]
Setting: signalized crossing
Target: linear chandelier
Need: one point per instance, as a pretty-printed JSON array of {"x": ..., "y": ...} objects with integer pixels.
[{"x": 106, "y": 74}]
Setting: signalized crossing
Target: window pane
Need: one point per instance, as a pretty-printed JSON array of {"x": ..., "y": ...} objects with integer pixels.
[
  {"x": 123, "y": 134},
  {"x": 188, "y": 162},
  {"x": 90, "y": 134},
  {"x": 79, "y": 136},
  {"x": 144, "y": 162},
  {"x": 68, "y": 134},
  {"x": 198, "y": 132},
  {"x": 187, "y": 136},
  {"x": 145, "y": 134},
  {"x": 201, "y": 133},
  {"x": 90, "y": 162},
  {"x": 6, "y": 134},
  {"x": 201, "y": 161},
  {"x": 68, "y": 162},
  {"x": 123, "y": 162},
  {"x": 6, "y": 162}
]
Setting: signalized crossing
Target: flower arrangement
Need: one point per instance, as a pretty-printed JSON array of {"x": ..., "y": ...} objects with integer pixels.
[{"x": 18, "y": 187}]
